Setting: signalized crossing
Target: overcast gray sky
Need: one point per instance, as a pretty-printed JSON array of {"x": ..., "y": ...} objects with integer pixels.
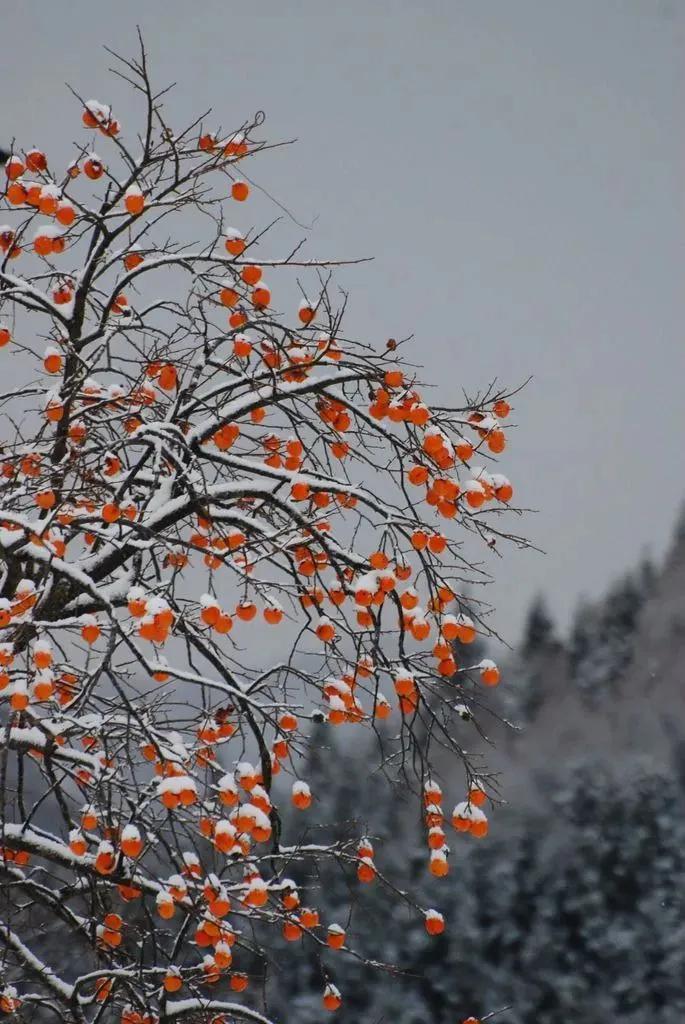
[{"x": 516, "y": 169}]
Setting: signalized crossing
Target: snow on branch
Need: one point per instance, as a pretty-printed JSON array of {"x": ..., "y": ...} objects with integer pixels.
[{"x": 234, "y": 542}]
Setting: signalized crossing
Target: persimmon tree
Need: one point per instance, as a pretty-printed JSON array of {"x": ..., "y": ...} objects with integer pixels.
[{"x": 221, "y": 520}]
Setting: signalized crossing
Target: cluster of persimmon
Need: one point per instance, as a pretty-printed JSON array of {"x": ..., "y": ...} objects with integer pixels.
[
  {"x": 41, "y": 681},
  {"x": 18, "y": 857},
  {"x": 38, "y": 685},
  {"x": 187, "y": 486},
  {"x": 467, "y": 816},
  {"x": 203, "y": 893},
  {"x": 99, "y": 116},
  {"x": 155, "y": 618}
]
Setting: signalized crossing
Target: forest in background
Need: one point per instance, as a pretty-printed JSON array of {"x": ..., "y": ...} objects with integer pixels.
[{"x": 572, "y": 909}]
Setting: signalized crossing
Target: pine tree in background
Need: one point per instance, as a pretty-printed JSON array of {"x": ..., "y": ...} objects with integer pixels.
[
  {"x": 575, "y": 915},
  {"x": 531, "y": 667},
  {"x": 538, "y": 630},
  {"x": 573, "y": 910},
  {"x": 602, "y": 643}
]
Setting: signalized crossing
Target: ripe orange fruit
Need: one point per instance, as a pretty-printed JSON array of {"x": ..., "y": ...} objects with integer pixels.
[
  {"x": 65, "y": 213},
  {"x": 434, "y": 922},
  {"x": 240, "y": 190},
  {"x": 93, "y": 167},
  {"x": 306, "y": 313},
  {"x": 417, "y": 475},
  {"x": 14, "y": 168},
  {"x": 299, "y": 490},
  {"x": 134, "y": 201},
  {"x": 36, "y": 161},
  {"x": 234, "y": 242},
  {"x": 17, "y": 193},
  {"x": 261, "y": 296},
  {"x": 251, "y": 273},
  {"x": 246, "y": 610},
  {"x": 331, "y": 998},
  {"x": 496, "y": 441},
  {"x": 207, "y": 142}
]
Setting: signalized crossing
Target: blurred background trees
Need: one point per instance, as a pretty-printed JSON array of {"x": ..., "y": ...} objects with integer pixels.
[{"x": 572, "y": 909}]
